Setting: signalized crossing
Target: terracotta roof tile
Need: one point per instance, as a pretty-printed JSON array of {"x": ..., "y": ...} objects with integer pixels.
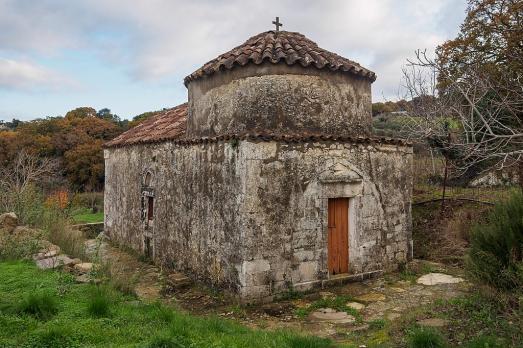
[
  {"x": 170, "y": 125},
  {"x": 166, "y": 125},
  {"x": 289, "y": 47}
]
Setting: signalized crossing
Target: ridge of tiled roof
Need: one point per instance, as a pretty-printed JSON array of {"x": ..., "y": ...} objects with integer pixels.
[
  {"x": 166, "y": 125},
  {"x": 178, "y": 115},
  {"x": 282, "y": 46}
]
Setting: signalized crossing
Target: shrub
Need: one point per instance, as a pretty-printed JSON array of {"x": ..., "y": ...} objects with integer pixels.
[
  {"x": 39, "y": 305},
  {"x": 17, "y": 247},
  {"x": 99, "y": 304},
  {"x": 495, "y": 255},
  {"x": 425, "y": 338}
]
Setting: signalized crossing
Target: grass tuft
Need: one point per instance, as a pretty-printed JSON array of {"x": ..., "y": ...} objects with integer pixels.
[
  {"x": 40, "y": 305},
  {"x": 425, "y": 338},
  {"x": 99, "y": 304},
  {"x": 53, "y": 336}
]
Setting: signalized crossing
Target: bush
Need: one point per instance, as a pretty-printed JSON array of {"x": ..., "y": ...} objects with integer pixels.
[
  {"x": 425, "y": 338},
  {"x": 39, "y": 305},
  {"x": 99, "y": 304},
  {"x": 495, "y": 255},
  {"x": 17, "y": 247}
]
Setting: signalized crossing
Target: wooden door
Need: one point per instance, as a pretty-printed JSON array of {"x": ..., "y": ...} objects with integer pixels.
[{"x": 338, "y": 238}]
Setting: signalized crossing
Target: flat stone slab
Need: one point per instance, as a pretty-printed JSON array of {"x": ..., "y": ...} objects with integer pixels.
[
  {"x": 332, "y": 316},
  {"x": 371, "y": 297},
  {"x": 355, "y": 305},
  {"x": 433, "y": 322},
  {"x": 54, "y": 262},
  {"x": 438, "y": 278}
]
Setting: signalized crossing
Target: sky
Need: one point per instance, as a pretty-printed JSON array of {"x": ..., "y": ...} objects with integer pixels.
[{"x": 131, "y": 55}]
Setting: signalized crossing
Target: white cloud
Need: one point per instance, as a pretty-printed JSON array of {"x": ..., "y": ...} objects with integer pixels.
[
  {"x": 153, "y": 39},
  {"x": 27, "y": 76}
]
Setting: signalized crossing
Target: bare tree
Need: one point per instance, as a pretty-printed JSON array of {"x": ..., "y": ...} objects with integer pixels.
[
  {"x": 486, "y": 108},
  {"x": 23, "y": 171}
]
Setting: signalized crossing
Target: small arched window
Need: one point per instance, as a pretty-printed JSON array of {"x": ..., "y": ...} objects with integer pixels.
[{"x": 148, "y": 179}]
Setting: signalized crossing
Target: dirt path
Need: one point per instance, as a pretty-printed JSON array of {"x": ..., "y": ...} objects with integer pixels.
[{"x": 387, "y": 298}]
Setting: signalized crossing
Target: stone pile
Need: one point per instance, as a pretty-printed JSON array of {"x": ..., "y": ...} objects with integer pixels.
[{"x": 49, "y": 255}]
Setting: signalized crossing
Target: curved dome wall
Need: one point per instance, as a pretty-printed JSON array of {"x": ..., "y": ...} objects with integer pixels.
[{"x": 279, "y": 98}]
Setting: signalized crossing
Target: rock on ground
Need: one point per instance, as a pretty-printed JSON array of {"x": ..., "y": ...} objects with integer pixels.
[
  {"x": 84, "y": 267},
  {"x": 54, "y": 262},
  {"x": 332, "y": 316},
  {"x": 438, "y": 278},
  {"x": 355, "y": 305},
  {"x": 49, "y": 251}
]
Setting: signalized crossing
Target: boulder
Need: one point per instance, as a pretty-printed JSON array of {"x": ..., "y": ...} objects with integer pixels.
[
  {"x": 54, "y": 262},
  {"x": 84, "y": 267},
  {"x": 8, "y": 222}
]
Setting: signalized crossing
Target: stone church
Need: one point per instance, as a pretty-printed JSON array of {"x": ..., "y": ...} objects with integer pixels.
[{"x": 268, "y": 178}]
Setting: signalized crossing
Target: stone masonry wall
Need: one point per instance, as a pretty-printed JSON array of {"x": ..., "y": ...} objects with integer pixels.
[
  {"x": 286, "y": 203},
  {"x": 279, "y": 98},
  {"x": 252, "y": 216}
]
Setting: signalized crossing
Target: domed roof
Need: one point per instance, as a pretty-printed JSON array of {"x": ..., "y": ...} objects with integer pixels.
[{"x": 281, "y": 47}]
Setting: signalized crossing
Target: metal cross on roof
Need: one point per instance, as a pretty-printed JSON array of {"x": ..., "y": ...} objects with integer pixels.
[{"x": 277, "y": 23}]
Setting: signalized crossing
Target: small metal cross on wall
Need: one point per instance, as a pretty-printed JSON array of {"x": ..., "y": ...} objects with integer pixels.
[{"x": 277, "y": 23}]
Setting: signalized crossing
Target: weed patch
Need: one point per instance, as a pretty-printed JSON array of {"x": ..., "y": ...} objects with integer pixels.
[{"x": 421, "y": 337}]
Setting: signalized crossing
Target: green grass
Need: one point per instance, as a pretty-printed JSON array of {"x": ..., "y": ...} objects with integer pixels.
[
  {"x": 99, "y": 305},
  {"x": 87, "y": 217},
  {"x": 425, "y": 338},
  {"x": 122, "y": 323},
  {"x": 40, "y": 305}
]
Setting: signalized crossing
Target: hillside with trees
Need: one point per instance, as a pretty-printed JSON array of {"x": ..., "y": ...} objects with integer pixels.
[{"x": 72, "y": 142}]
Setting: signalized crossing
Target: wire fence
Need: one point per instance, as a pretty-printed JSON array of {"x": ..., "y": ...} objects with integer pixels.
[{"x": 428, "y": 180}]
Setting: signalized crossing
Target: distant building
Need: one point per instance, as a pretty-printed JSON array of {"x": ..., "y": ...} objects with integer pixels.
[{"x": 268, "y": 178}]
